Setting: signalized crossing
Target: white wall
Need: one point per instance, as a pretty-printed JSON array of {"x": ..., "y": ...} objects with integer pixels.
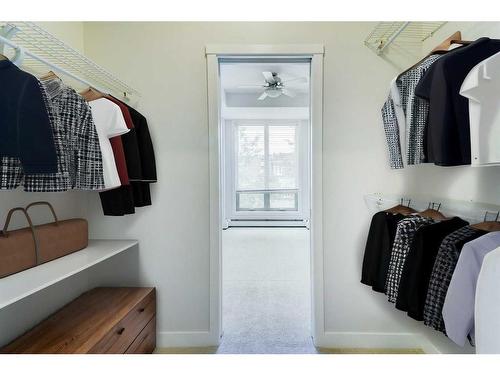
[{"x": 170, "y": 71}]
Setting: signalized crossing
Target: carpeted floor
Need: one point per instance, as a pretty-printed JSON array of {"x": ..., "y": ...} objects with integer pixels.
[
  {"x": 266, "y": 296},
  {"x": 266, "y": 291}
]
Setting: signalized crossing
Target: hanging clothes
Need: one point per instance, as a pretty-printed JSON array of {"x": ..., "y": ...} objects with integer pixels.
[
  {"x": 46, "y": 182},
  {"x": 448, "y": 130},
  {"x": 110, "y": 124},
  {"x": 405, "y": 116},
  {"x": 59, "y": 181},
  {"x": 120, "y": 201},
  {"x": 141, "y": 189},
  {"x": 458, "y": 308},
  {"x": 378, "y": 249},
  {"x": 25, "y": 127},
  {"x": 405, "y": 232},
  {"x": 80, "y": 162},
  {"x": 130, "y": 145},
  {"x": 393, "y": 120},
  {"x": 420, "y": 260},
  {"x": 442, "y": 271},
  {"x": 487, "y": 306},
  {"x": 481, "y": 87},
  {"x": 140, "y": 163},
  {"x": 416, "y": 110}
]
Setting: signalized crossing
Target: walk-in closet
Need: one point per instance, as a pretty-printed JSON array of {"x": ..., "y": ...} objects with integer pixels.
[{"x": 263, "y": 187}]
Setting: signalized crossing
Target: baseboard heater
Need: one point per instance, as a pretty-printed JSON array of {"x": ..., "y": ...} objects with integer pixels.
[{"x": 273, "y": 223}]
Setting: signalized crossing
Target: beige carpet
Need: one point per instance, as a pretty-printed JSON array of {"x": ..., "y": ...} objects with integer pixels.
[{"x": 266, "y": 291}]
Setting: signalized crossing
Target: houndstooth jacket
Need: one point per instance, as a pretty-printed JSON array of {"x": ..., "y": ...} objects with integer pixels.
[
  {"x": 444, "y": 265},
  {"x": 79, "y": 158},
  {"x": 415, "y": 111},
  {"x": 405, "y": 233}
]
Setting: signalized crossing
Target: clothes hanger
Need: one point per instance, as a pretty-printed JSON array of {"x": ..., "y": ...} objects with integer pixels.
[
  {"x": 442, "y": 48},
  {"x": 445, "y": 44},
  {"x": 50, "y": 75},
  {"x": 92, "y": 94},
  {"x": 433, "y": 213},
  {"x": 401, "y": 208},
  {"x": 489, "y": 226},
  {"x": 462, "y": 42}
]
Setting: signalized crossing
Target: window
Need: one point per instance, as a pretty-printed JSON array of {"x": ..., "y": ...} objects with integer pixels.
[{"x": 267, "y": 169}]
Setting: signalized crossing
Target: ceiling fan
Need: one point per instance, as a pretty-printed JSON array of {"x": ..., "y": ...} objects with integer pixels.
[{"x": 274, "y": 86}]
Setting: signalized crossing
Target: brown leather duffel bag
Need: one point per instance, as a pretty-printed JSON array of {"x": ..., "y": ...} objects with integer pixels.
[
  {"x": 59, "y": 238},
  {"x": 28, "y": 247},
  {"x": 18, "y": 248}
]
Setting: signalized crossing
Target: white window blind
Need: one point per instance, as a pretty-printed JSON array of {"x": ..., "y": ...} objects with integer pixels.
[{"x": 267, "y": 167}]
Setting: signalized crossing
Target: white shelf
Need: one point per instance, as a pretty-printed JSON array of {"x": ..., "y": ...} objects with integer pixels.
[
  {"x": 43, "y": 51},
  {"x": 20, "y": 285},
  {"x": 403, "y": 34}
]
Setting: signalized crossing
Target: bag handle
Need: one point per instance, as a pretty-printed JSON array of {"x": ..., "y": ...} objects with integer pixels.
[
  {"x": 5, "y": 233},
  {"x": 44, "y": 203}
]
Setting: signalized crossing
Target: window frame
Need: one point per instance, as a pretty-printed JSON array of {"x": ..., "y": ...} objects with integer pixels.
[{"x": 230, "y": 152}]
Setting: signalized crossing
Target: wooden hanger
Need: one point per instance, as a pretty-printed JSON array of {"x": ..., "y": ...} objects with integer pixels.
[
  {"x": 445, "y": 44},
  {"x": 442, "y": 48},
  {"x": 489, "y": 226},
  {"x": 401, "y": 209},
  {"x": 92, "y": 94},
  {"x": 50, "y": 75},
  {"x": 432, "y": 213},
  {"x": 462, "y": 42}
]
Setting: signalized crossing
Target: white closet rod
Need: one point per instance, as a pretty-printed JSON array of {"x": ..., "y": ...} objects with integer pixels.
[{"x": 21, "y": 51}]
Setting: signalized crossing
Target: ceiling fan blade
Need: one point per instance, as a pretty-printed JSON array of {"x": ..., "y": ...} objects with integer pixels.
[
  {"x": 298, "y": 80},
  {"x": 289, "y": 93},
  {"x": 263, "y": 96},
  {"x": 249, "y": 86},
  {"x": 268, "y": 76}
]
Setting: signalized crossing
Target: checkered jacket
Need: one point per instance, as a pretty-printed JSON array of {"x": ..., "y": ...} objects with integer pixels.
[
  {"x": 415, "y": 111},
  {"x": 391, "y": 129},
  {"x": 444, "y": 265},
  {"x": 405, "y": 233},
  {"x": 79, "y": 158}
]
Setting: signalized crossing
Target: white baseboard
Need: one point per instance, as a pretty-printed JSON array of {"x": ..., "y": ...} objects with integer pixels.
[
  {"x": 167, "y": 339},
  {"x": 373, "y": 340},
  {"x": 364, "y": 340}
]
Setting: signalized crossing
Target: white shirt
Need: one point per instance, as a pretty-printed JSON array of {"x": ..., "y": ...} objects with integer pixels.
[
  {"x": 487, "y": 310},
  {"x": 109, "y": 122},
  {"x": 481, "y": 87}
]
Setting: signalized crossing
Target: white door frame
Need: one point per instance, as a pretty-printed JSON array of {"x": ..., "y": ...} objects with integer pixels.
[{"x": 315, "y": 52}]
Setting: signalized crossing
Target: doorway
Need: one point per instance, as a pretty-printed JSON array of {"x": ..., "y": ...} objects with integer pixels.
[
  {"x": 266, "y": 283},
  {"x": 265, "y": 199}
]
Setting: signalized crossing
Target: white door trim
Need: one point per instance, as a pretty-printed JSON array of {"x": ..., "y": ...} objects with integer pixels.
[{"x": 214, "y": 52}]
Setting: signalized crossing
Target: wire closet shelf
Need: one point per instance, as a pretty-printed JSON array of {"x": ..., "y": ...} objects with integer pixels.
[
  {"x": 38, "y": 50},
  {"x": 407, "y": 34}
]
